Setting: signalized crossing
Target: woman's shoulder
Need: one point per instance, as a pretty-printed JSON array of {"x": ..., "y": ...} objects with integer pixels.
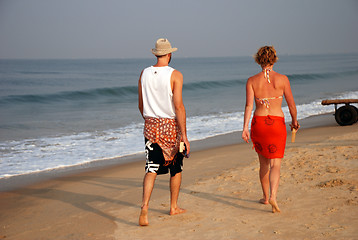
[
  {"x": 279, "y": 75},
  {"x": 254, "y": 77}
]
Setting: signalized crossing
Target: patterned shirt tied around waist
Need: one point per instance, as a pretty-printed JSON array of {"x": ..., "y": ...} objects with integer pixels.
[{"x": 165, "y": 132}]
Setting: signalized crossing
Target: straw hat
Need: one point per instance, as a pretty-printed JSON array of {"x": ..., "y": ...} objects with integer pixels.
[{"x": 163, "y": 47}]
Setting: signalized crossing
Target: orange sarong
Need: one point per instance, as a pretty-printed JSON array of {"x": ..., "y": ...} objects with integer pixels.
[
  {"x": 165, "y": 132},
  {"x": 268, "y": 134}
]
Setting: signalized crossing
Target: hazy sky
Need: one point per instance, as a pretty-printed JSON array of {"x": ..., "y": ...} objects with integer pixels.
[{"x": 199, "y": 28}]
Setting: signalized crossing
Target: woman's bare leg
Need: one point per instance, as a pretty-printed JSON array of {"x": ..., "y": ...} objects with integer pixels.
[
  {"x": 264, "y": 174},
  {"x": 275, "y": 168}
]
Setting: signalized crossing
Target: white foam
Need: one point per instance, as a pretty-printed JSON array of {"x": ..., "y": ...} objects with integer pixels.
[{"x": 32, "y": 155}]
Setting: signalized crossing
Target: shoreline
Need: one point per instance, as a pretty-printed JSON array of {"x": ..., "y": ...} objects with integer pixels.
[
  {"x": 318, "y": 196},
  {"x": 22, "y": 180}
]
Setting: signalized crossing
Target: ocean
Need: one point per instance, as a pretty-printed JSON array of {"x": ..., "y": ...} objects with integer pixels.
[{"x": 60, "y": 113}]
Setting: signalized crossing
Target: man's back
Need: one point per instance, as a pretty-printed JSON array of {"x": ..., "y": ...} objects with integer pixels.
[{"x": 157, "y": 92}]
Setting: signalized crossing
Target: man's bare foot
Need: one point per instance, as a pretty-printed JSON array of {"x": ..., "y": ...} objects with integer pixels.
[
  {"x": 176, "y": 211},
  {"x": 143, "y": 218},
  {"x": 274, "y": 206},
  {"x": 263, "y": 201}
]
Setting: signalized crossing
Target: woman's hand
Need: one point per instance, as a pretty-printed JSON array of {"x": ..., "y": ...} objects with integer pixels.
[
  {"x": 295, "y": 125},
  {"x": 246, "y": 135}
]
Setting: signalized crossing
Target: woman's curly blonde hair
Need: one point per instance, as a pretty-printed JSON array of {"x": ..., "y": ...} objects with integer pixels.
[{"x": 266, "y": 56}]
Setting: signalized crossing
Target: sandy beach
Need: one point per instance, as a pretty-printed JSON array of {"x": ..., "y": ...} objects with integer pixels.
[{"x": 318, "y": 196}]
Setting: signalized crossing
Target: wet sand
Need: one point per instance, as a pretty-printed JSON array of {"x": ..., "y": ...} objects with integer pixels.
[{"x": 318, "y": 195}]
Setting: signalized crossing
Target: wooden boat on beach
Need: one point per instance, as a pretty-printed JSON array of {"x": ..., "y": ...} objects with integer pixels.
[{"x": 345, "y": 115}]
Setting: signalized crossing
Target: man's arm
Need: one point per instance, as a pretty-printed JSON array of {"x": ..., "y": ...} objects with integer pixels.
[
  {"x": 177, "y": 86},
  {"x": 140, "y": 97}
]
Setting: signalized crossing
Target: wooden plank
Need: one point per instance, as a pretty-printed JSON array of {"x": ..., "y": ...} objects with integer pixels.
[{"x": 339, "y": 101}]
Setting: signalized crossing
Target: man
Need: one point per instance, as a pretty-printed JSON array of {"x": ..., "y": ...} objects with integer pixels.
[{"x": 161, "y": 104}]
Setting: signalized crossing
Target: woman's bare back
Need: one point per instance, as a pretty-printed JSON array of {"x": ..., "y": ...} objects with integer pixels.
[{"x": 268, "y": 93}]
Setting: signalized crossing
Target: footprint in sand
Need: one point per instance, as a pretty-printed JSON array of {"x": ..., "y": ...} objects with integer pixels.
[
  {"x": 332, "y": 169},
  {"x": 352, "y": 202},
  {"x": 194, "y": 192},
  {"x": 353, "y": 188},
  {"x": 331, "y": 183}
]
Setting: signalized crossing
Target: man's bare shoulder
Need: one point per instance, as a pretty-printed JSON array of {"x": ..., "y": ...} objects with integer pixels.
[
  {"x": 176, "y": 73},
  {"x": 177, "y": 76}
]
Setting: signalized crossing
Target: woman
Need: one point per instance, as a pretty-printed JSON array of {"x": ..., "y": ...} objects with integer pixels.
[{"x": 268, "y": 130}]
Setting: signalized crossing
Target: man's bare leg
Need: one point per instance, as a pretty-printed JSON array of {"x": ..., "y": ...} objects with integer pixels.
[
  {"x": 174, "y": 194},
  {"x": 148, "y": 185}
]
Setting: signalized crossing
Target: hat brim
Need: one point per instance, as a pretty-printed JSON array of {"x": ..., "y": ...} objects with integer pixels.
[{"x": 163, "y": 52}]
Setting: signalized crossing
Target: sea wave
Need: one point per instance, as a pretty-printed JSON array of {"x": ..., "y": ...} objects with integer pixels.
[
  {"x": 129, "y": 93},
  {"x": 120, "y": 93},
  {"x": 313, "y": 76},
  {"x": 213, "y": 84},
  {"x": 30, "y": 155}
]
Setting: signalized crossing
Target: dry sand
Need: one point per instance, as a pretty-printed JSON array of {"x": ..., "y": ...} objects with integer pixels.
[{"x": 318, "y": 197}]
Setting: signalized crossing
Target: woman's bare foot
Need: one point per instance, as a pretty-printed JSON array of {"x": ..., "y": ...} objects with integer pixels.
[
  {"x": 143, "y": 218},
  {"x": 274, "y": 205},
  {"x": 263, "y": 201},
  {"x": 176, "y": 211}
]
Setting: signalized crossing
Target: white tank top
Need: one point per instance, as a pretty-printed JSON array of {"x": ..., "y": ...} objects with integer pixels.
[{"x": 157, "y": 92}]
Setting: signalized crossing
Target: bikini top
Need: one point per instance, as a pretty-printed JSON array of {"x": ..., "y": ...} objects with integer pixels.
[{"x": 266, "y": 101}]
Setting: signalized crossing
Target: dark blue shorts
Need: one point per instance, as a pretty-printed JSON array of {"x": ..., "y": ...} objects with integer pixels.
[{"x": 155, "y": 162}]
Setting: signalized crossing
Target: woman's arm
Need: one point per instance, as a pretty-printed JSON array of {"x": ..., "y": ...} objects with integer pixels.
[
  {"x": 291, "y": 104},
  {"x": 248, "y": 110}
]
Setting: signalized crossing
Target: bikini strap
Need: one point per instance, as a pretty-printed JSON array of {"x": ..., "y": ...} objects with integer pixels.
[
  {"x": 266, "y": 101},
  {"x": 267, "y": 74}
]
